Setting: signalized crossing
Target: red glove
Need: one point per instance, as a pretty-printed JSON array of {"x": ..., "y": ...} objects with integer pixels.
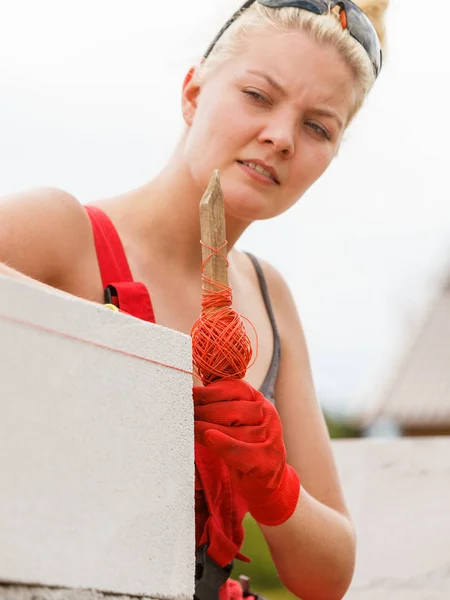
[{"x": 238, "y": 423}]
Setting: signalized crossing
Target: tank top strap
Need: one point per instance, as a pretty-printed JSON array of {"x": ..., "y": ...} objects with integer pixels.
[
  {"x": 268, "y": 386},
  {"x": 119, "y": 288}
]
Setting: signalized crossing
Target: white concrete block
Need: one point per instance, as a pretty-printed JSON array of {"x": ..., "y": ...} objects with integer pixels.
[
  {"x": 29, "y": 592},
  {"x": 398, "y": 492},
  {"x": 96, "y": 448}
]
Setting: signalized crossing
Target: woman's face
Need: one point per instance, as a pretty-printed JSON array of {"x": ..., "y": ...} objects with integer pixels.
[{"x": 282, "y": 104}]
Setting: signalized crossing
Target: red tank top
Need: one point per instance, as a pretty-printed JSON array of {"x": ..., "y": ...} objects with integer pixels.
[{"x": 219, "y": 511}]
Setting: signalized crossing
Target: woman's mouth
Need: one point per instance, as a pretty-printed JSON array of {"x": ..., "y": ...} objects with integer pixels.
[{"x": 258, "y": 172}]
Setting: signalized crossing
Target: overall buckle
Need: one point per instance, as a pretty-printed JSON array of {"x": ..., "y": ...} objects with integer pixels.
[
  {"x": 246, "y": 590},
  {"x": 209, "y": 576}
]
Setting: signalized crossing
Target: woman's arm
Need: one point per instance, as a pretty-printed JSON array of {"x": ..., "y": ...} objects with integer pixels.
[{"x": 314, "y": 550}]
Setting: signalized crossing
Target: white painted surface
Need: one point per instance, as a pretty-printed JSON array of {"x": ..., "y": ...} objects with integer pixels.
[
  {"x": 398, "y": 493},
  {"x": 96, "y": 448}
]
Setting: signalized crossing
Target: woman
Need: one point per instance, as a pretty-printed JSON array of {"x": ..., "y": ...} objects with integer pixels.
[{"x": 267, "y": 106}]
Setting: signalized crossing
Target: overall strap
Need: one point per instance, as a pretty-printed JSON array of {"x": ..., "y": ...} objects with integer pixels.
[
  {"x": 223, "y": 531},
  {"x": 130, "y": 296}
]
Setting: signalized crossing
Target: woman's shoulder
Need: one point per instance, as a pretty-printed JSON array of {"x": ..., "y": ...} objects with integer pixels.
[
  {"x": 42, "y": 203},
  {"x": 248, "y": 264},
  {"x": 279, "y": 293},
  {"x": 42, "y": 231}
]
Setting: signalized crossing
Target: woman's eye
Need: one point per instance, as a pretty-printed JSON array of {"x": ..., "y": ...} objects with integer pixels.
[
  {"x": 259, "y": 98},
  {"x": 319, "y": 129}
]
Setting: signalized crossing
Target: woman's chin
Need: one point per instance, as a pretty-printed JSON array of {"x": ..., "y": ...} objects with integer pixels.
[
  {"x": 246, "y": 209},
  {"x": 245, "y": 204}
]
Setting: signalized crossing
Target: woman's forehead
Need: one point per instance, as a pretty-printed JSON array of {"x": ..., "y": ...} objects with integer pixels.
[
  {"x": 290, "y": 60},
  {"x": 286, "y": 48}
]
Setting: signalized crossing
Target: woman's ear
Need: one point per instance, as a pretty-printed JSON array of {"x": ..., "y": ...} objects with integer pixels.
[{"x": 191, "y": 90}]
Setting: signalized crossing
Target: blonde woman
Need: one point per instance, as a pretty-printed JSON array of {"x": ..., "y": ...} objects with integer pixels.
[{"x": 268, "y": 106}]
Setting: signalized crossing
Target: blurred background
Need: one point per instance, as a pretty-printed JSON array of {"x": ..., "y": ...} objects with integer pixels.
[{"x": 89, "y": 102}]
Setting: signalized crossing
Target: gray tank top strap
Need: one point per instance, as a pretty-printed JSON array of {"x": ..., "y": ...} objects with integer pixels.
[{"x": 268, "y": 386}]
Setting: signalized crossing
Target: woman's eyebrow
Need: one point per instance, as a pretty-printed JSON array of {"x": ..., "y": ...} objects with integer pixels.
[
  {"x": 270, "y": 80},
  {"x": 325, "y": 112},
  {"x": 329, "y": 112}
]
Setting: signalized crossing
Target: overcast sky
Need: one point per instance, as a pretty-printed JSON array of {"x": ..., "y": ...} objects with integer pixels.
[{"x": 89, "y": 102}]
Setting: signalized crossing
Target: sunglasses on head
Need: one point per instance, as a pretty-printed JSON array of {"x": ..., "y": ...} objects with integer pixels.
[{"x": 351, "y": 17}]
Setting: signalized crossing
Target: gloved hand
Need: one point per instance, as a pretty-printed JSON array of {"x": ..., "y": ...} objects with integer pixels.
[{"x": 238, "y": 423}]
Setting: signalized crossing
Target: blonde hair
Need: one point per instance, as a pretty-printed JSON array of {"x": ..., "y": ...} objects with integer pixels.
[{"x": 324, "y": 29}]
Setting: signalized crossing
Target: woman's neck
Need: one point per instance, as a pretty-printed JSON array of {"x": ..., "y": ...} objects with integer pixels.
[{"x": 164, "y": 215}]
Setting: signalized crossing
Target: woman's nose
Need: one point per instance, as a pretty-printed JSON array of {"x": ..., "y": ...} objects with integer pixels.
[{"x": 281, "y": 138}]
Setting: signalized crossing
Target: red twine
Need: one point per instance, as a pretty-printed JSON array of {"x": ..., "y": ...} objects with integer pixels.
[{"x": 221, "y": 347}]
